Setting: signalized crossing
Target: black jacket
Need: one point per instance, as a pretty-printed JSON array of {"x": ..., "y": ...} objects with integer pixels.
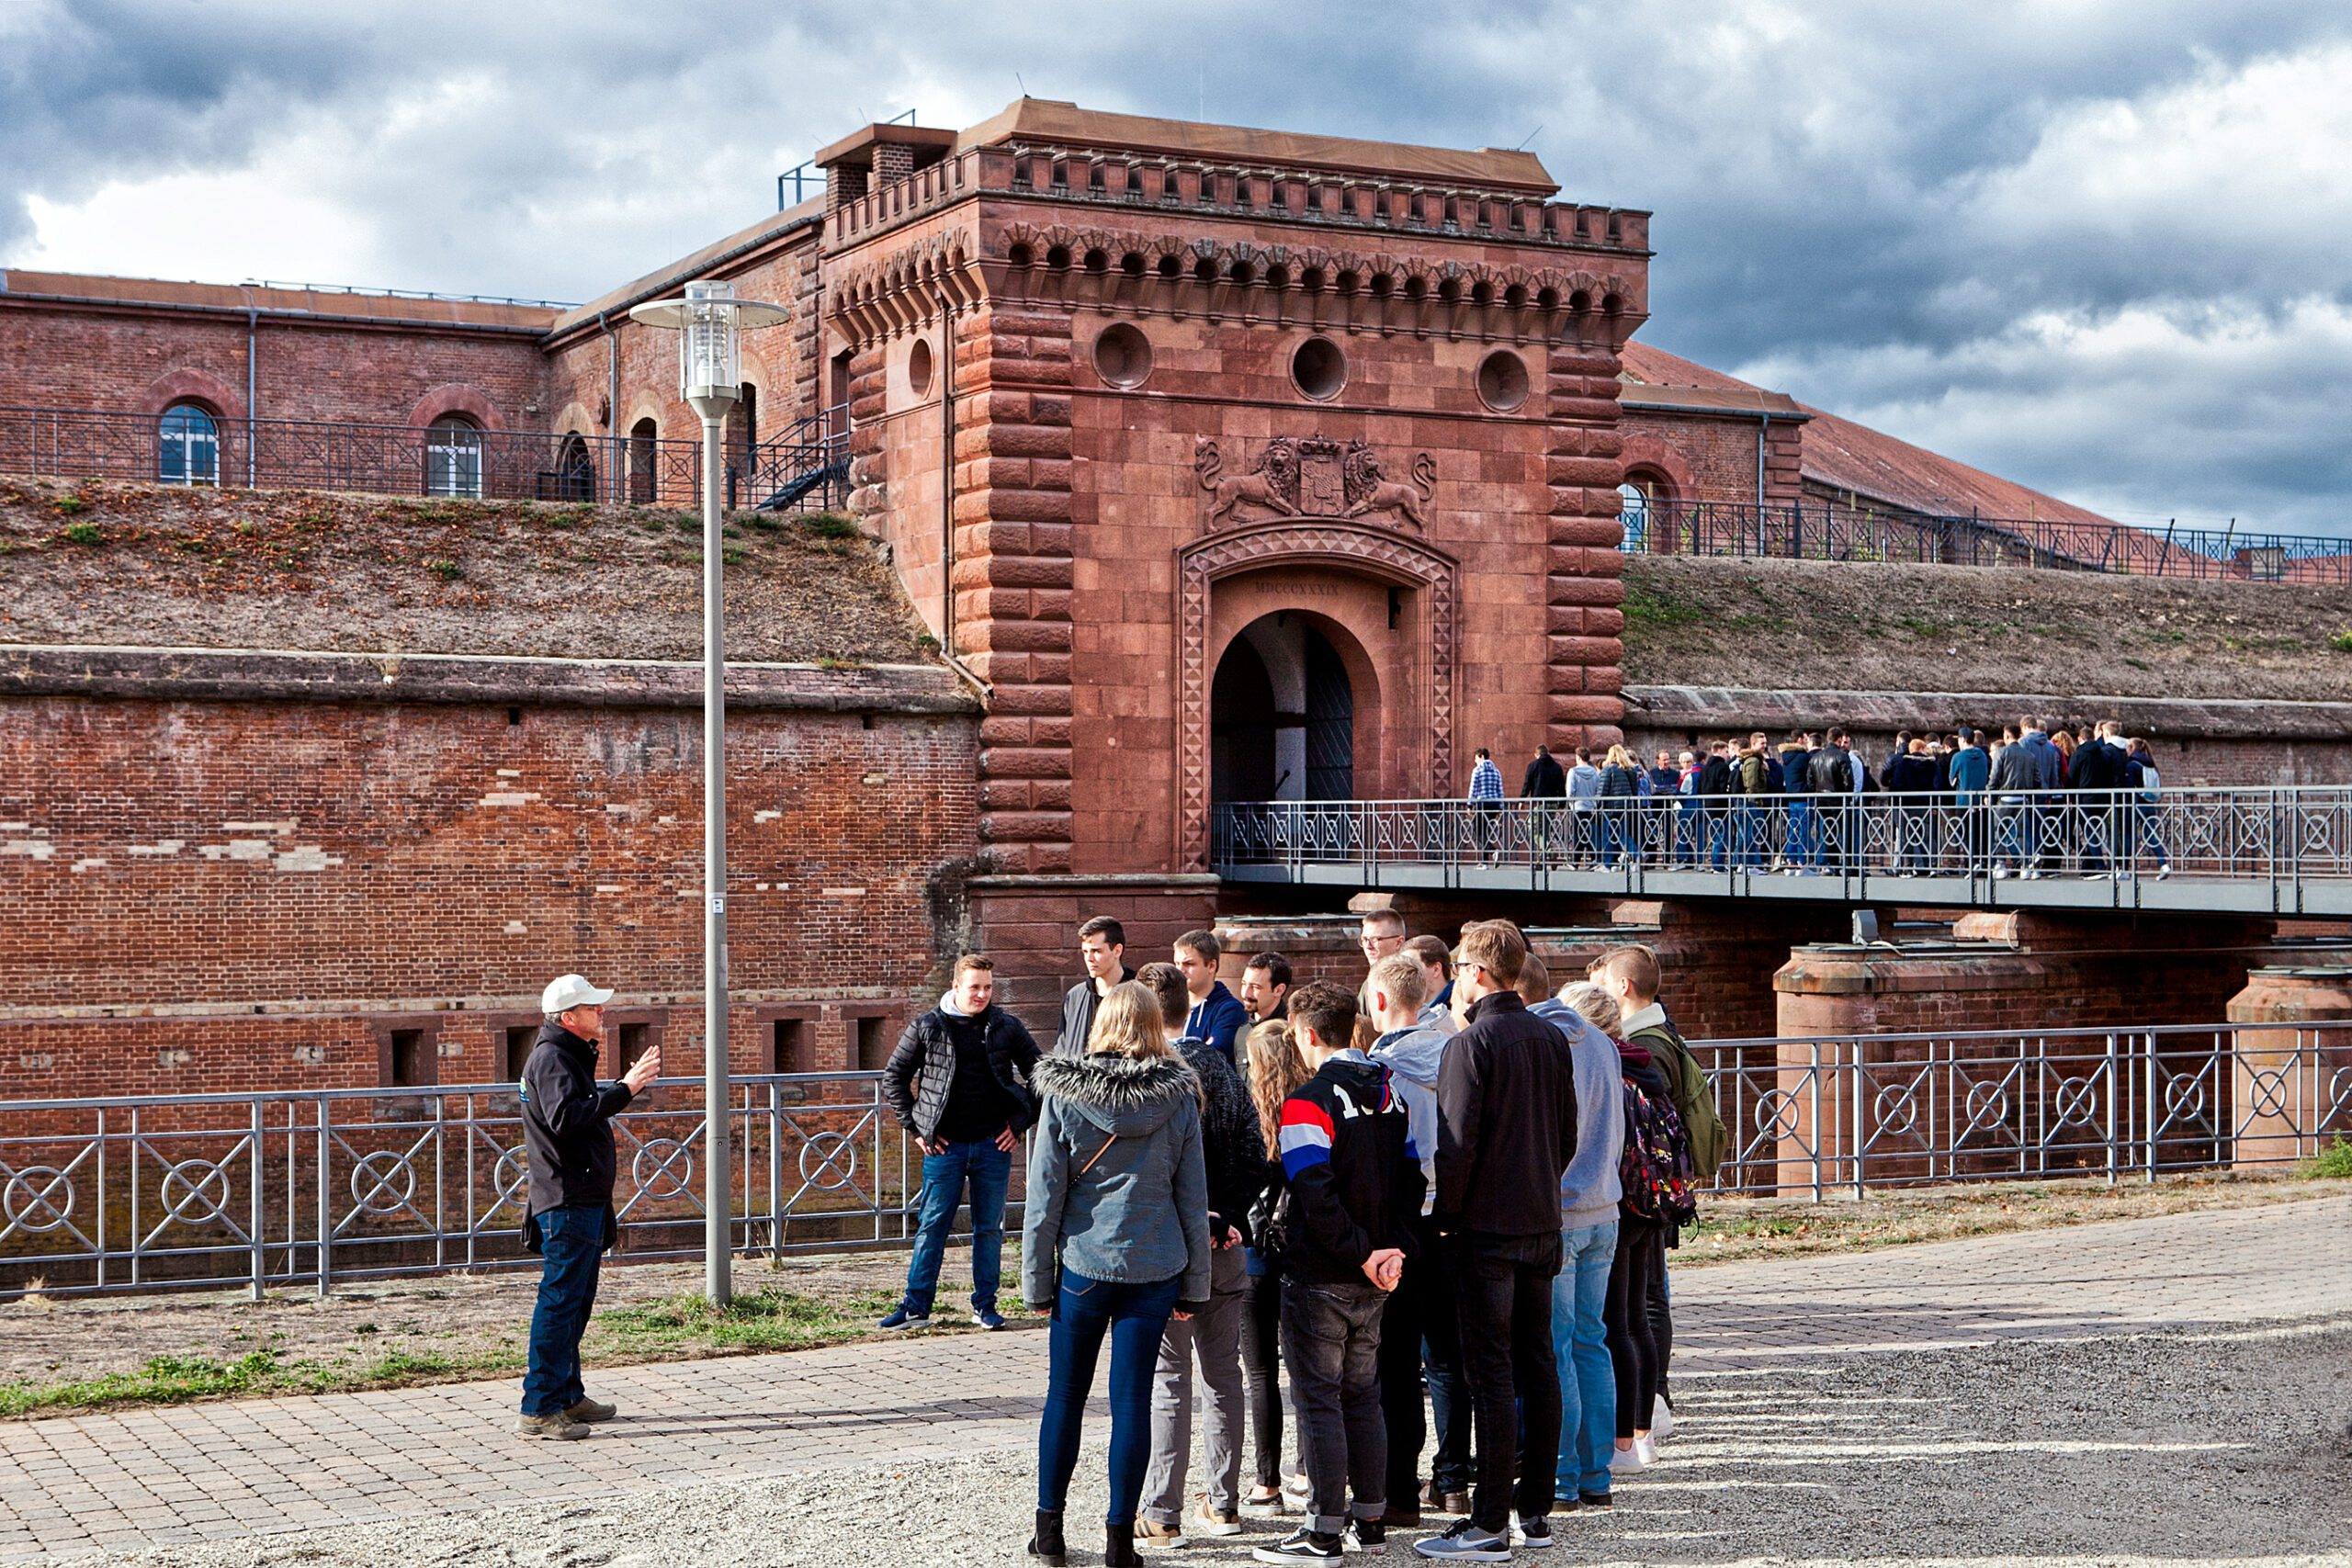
[
  {"x": 1352, "y": 1177},
  {"x": 1715, "y": 777},
  {"x": 2097, "y": 766},
  {"x": 1232, "y": 1145},
  {"x": 1830, "y": 772},
  {"x": 568, "y": 1128},
  {"x": 922, "y": 1070},
  {"x": 1078, "y": 1014},
  {"x": 1908, "y": 774},
  {"x": 1507, "y": 1122},
  {"x": 1618, "y": 783},
  {"x": 1545, "y": 779}
]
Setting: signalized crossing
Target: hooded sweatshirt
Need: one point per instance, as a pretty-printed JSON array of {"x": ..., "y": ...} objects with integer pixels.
[
  {"x": 1352, "y": 1174},
  {"x": 1118, "y": 1187},
  {"x": 1589, "y": 1188},
  {"x": 1412, "y": 1057}
]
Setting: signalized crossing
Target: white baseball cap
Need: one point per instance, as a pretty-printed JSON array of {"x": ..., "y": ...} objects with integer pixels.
[{"x": 569, "y": 991}]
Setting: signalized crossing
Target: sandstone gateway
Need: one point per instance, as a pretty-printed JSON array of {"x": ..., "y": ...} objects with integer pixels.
[{"x": 1216, "y": 463}]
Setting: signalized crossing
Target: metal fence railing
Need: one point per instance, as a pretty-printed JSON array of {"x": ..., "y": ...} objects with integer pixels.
[
  {"x": 1864, "y": 1112},
  {"x": 2291, "y": 847},
  {"x": 1835, "y": 531},
  {"x": 805, "y": 467},
  {"x": 308, "y": 1188},
  {"x": 311, "y": 1187}
]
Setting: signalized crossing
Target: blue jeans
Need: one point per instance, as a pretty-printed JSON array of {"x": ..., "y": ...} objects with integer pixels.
[
  {"x": 1135, "y": 1316},
  {"x": 988, "y": 1168},
  {"x": 572, "y": 1254},
  {"x": 1587, "y": 1377}
]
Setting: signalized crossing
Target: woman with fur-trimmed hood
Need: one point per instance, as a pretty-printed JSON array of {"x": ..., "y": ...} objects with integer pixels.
[{"x": 1115, "y": 1240}]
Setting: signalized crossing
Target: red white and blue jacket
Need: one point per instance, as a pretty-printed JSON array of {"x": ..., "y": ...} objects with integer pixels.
[{"x": 1350, "y": 1169}]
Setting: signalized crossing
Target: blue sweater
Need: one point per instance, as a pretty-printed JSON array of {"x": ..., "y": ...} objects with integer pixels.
[{"x": 1217, "y": 1017}]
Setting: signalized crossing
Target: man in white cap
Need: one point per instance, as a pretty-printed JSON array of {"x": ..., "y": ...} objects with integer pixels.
[{"x": 568, "y": 1128}]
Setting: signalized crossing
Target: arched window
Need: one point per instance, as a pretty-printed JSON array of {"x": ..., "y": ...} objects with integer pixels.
[
  {"x": 575, "y": 470},
  {"x": 188, "y": 446},
  {"x": 453, "y": 456},
  {"x": 640, "y": 462},
  {"x": 1635, "y": 499}
]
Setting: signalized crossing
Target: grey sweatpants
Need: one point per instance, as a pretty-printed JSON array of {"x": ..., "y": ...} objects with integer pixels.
[{"x": 1215, "y": 1338}]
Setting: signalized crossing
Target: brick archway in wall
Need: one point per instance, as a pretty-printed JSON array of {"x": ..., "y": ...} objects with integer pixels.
[{"x": 1398, "y": 598}]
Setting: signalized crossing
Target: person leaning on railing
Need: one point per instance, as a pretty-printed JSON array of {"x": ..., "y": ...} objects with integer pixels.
[{"x": 568, "y": 1128}]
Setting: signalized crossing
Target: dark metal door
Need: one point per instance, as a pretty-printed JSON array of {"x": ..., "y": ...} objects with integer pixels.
[{"x": 1330, "y": 723}]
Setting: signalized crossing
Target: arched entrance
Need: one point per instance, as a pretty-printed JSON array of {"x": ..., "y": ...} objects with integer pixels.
[{"x": 1282, "y": 715}]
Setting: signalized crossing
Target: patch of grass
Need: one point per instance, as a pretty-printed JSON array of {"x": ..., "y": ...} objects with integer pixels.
[
  {"x": 83, "y": 534},
  {"x": 767, "y": 1319},
  {"x": 444, "y": 567},
  {"x": 732, "y": 554},
  {"x": 2334, "y": 1163},
  {"x": 1654, "y": 612},
  {"x": 765, "y": 521},
  {"x": 2342, "y": 641},
  {"x": 67, "y": 505},
  {"x": 830, "y": 525},
  {"x": 165, "y": 1380}
]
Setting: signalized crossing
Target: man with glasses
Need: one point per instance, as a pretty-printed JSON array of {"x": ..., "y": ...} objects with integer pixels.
[
  {"x": 568, "y": 1129},
  {"x": 1383, "y": 933}
]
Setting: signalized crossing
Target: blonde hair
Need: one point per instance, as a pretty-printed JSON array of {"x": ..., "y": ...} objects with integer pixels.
[
  {"x": 1128, "y": 1022},
  {"x": 1620, "y": 758},
  {"x": 1276, "y": 1069},
  {"x": 1596, "y": 1006}
]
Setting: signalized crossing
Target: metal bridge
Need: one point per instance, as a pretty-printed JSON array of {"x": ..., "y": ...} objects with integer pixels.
[{"x": 2203, "y": 852}]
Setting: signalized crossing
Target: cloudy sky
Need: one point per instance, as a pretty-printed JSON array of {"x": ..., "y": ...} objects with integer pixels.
[{"x": 2103, "y": 248}]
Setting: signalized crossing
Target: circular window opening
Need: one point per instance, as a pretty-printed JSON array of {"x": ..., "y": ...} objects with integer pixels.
[
  {"x": 1319, "y": 368},
  {"x": 919, "y": 368},
  {"x": 1123, "y": 356},
  {"x": 1502, "y": 380}
]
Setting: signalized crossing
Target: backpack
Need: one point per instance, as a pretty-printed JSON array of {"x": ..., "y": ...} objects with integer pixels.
[
  {"x": 1655, "y": 1171},
  {"x": 1694, "y": 1100}
]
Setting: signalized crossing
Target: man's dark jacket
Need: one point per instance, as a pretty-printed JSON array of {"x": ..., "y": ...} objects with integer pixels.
[
  {"x": 1545, "y": 779},
  {"x": 1716, "y": 776},
  {"x": 1078, "y": 1014},
  {"x": 2099, "y": 765},
  {"x": 922, "y": 1069},
  {"x": 1824, "y": 771},
  {"x": 1506, "y": 1121},
  {"x": 568, "y": 1129},
  {"x": 1909, "y": 774},
  {"x": 1352, "y": 1177}
]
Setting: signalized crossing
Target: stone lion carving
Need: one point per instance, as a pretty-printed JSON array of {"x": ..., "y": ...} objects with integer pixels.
[
  {"x": 1270, "y": 484},
  {"x": 1369, "y": 492}
]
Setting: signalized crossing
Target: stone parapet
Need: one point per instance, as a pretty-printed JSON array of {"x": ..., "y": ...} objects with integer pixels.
[{"x": 2293, "y": 1083}]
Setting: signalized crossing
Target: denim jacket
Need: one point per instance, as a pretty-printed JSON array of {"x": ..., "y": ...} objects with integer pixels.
[{"x": 1118, "y": 1187}]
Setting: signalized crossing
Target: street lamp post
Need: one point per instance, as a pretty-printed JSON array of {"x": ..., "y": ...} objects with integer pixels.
[{"x": 709, "y": 321}]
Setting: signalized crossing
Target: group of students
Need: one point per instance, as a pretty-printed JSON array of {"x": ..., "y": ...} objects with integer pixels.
[
  {"x": 1963, "y": 796},
  {"x": 1447, "y": 1179}
]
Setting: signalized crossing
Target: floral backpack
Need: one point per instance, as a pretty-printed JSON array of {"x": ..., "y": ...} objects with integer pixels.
[{"x": 1656, "y": 1170}]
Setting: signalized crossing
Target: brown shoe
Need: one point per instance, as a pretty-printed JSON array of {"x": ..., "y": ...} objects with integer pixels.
[
  {"x": 559, "y": 1425},
  {"x": 1456, "y": 1503},
  {"x": 1432, "y": 1499},
  {"x": 1149, "y": 1532},
  {"x": 1399, "y": 1517},
  {"x": 590, "y": 1410}
]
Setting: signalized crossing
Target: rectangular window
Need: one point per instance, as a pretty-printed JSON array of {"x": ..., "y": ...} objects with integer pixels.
[
  {"x": 412, "y": 1062},
  {"x": 634, "y": 1040},
  {"x": 791, "y": 1047},
  {"x": 873, "y": 1043},
  {"x": 514, "y": 1049}
]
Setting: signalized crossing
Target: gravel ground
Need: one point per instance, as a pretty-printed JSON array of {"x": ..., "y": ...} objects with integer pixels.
[{"x": 2156, "y": 1448}]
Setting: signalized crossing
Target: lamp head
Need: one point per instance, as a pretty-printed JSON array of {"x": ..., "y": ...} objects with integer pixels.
[{"x": 709, "y": 322}]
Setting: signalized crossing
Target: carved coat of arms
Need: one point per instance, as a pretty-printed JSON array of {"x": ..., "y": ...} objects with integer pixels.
[{"x": 1313, "y": 475}]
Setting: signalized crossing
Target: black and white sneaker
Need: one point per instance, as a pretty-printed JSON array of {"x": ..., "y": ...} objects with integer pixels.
[
  {"x": 1370, "y": 1537},
  {"x": 1535, "y": 1534},
  {"x": 1302, "y": 1545},
  {"x": 1465, "y": 1542}
]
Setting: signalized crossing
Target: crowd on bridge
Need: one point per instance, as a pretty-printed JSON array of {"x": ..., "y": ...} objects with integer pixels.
[
  {"x": 2040, "y": 799},
  {"x": 1440, "y": 1200}
]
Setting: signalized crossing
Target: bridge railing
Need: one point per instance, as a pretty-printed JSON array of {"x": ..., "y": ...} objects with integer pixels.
[
  {"x": 308, "y": 1188},
  {"x": 2285, "y": 836}
]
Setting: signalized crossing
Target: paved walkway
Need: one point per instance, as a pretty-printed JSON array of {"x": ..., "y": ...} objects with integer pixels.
[{"x": 88, "y": 1483}]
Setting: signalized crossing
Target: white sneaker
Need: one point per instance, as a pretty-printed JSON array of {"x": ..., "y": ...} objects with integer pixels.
[
  {"x": 1628, "y": 1461},
  {"x": 2000, "y": 874},
  {"x": 2163, "y": 872},
  {"x": 1661, "y": 1419},
  {"x": 1646, "y": 1447}
]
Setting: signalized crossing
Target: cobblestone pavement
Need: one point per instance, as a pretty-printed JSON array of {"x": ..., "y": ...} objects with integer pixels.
[{"x": 207, "y": 1471}]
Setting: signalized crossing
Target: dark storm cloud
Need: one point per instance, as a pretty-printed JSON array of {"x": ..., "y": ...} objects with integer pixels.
[{"x": 2099, "y": 247}]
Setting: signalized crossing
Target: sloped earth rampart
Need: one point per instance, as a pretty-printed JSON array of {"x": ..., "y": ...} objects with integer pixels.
[
  {"x": 1808, "y": 626},
  {"x": 128, "y": 565}
]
